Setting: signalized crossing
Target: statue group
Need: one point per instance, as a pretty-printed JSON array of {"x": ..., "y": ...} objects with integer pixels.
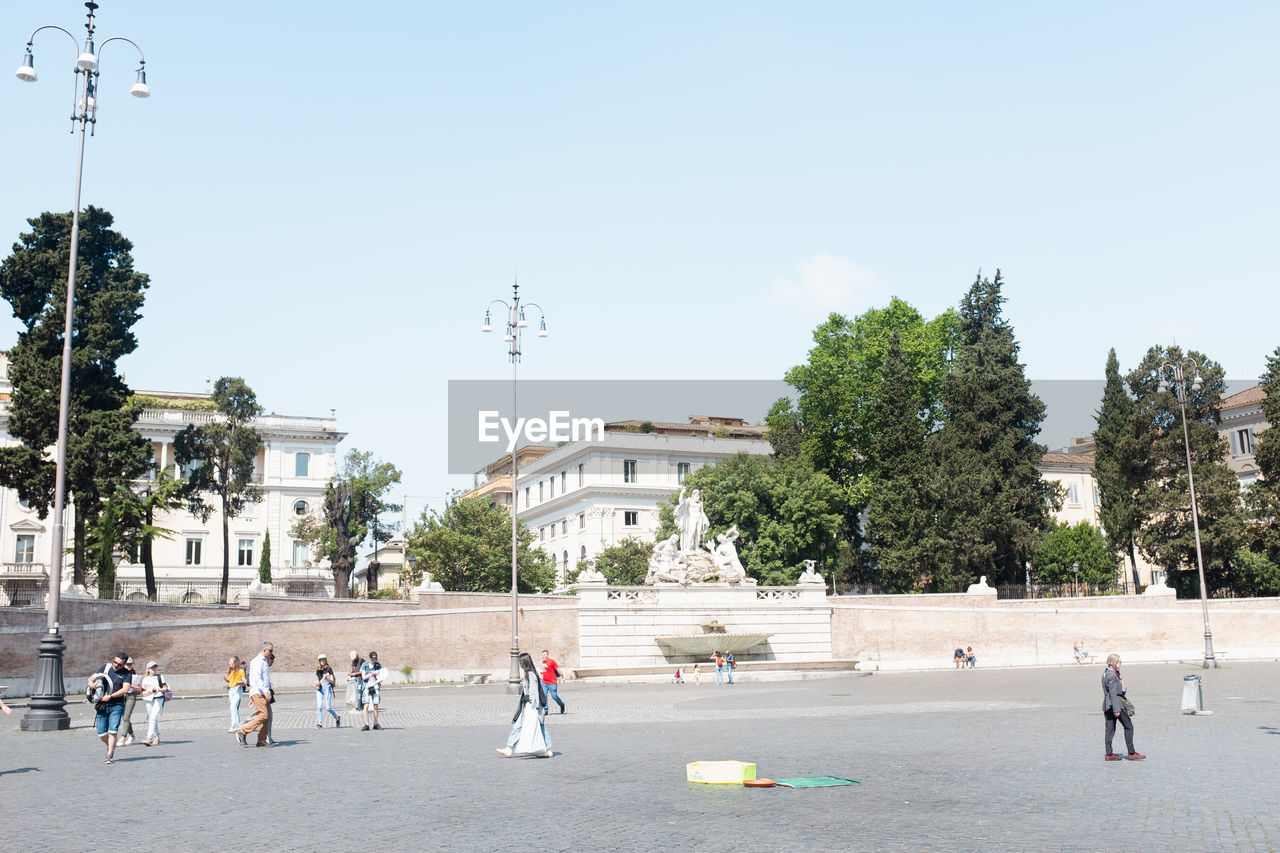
[{"x": 683, "y": 558}]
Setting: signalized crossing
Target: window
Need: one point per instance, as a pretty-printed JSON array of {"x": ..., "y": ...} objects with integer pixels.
[
  {"x": 1242, "y": 442},
  {"x": 24, "y": 503},
  {"x": 1097, "y": 495},
  {"x": 631, "y": 518},
  {"x": 526, "y": 497},
  {"x": 553, "y": 487},
  {"x": 302, "y": 465},
  {"x": 1073, "y": 494},
  {"x": 564, "y": 482},
  {"x": 25, "y": 552},
  {"x": 300, "y": 554},
  {"x": 628, "y": 470},
  {"x": 682, "y": 471},
  {"x": 582, "y": 521},
  {"x": 564, "y": 527},
  {"x": 189, "y": 468},
  {"x": 540, "y": 495},
  {"x": 244, "y": 554},
  {"x": 566, "y": 561},
  {"x": 193, "y": 552},
  {"x": 300, "y": 508},
  {"x": 582, "y": 555},
  {"x": 582, "y": 474},
  {"x": 542, "y": 533}
]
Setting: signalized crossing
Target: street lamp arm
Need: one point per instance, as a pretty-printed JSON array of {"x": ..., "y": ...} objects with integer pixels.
[
  {"x": 141, "y": 58},
  {"x": 75, "y": 45}
]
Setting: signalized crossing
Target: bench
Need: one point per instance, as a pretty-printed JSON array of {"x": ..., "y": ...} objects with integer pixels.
[{"x": 475, "y": 677}]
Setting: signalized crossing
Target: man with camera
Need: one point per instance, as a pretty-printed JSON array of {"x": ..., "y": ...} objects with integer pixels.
[
  {"x": 115, "y": 682},
  {"x": 259, "y": 697},
  {"x": 370, "y": 672}
]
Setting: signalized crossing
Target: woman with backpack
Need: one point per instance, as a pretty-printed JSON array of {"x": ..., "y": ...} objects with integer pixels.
[
  {"x": 154, "y": 692},
  {"x": 324, "y": 692}
]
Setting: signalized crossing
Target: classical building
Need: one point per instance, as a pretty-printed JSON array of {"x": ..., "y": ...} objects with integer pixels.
[
  {"x": 296, "y": 461},
  {"x": 585, "y": 496},
  {"x": 1242, "y": 421}
]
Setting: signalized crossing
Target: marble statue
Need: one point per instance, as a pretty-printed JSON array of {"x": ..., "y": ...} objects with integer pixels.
[
  {"x": 725, "y": 557},
  {"x": 691, "y": 520},
  {"x": 980, "y": 588},
  {"x": 810, "y": 574},
  {"x": 590, "y": 574},
  {"x": 68, "y": 588}
]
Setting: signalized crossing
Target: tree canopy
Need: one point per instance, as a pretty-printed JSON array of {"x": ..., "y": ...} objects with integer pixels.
[
  {"x": 1122, "y": 464},
  {"x": 467, "y": 548},
  {"x": 625, "y": 564},
  {"x": 1067, "y": 547},
  {"x": 1264, "y": 495}
]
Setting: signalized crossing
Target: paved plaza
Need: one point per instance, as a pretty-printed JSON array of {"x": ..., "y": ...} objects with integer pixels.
[{"x": 981, "y": 759}]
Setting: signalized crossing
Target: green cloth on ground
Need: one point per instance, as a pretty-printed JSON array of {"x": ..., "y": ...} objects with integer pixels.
[{"x": 815, "y": 782}]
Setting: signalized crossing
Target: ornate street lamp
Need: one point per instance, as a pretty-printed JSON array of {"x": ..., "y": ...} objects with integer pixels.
[
  {"x": 516, "y": 322},
  {"x": 1177, "y": 370},
  {"x": 47, "y": 710}
]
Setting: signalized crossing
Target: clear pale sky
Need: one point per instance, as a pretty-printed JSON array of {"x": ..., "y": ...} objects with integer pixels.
[{"x": 327, "y": 195}]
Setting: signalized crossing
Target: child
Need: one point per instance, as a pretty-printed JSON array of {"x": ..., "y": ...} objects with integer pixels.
[
  {"x": 697, "y": 673},
  {"x": 678, "y": 678}
]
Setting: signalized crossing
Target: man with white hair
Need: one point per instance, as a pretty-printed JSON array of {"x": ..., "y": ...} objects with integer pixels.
[{"x": 259, "y": 697}]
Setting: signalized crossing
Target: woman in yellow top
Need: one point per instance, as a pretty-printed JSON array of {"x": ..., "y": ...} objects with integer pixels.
[{"x": 237, "y": 680}]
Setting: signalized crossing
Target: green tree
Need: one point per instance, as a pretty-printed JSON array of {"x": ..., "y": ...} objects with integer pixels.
[
  {"x": 1264, "y": 495},
  {"x": 354, "y": 502},
  {"x": 264, "y": 562},
  {"x": 1083, "y": 545},
  {"x": 219, "y": 456},
  {"x": 103, "y": 450},
  {"x": 467, "y": 548},
  {"x": 1122, "y": 464},
  {"x": 1167, "y": 535},
  {"x": 993, "y": 505},
  {"x": 135, "y": 508},
  {"x": 785, "y": 512},
  {"x": 900, "y": 503},
  {"x": 625, "y": 564},
  {"x": 1258, "y": 573}
]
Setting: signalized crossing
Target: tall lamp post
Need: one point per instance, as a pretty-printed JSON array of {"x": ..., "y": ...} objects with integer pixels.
[
  {"x": 516, "y": 322},
  {"x": 47, "y": 710},
  {"x": 1179, "y": 387}
]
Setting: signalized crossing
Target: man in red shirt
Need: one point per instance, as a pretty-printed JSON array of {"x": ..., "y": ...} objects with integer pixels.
[{"x": 550, "y": 680}]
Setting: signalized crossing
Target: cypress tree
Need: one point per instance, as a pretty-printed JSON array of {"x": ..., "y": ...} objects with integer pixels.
[
  {"x": 1264, "y": 495},
  {"x": 1122, "y": 464},
  {"x": 993, "y": 505}
]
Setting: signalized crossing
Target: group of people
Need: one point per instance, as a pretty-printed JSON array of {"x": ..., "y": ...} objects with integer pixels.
[
  {"x": 965, "y": 657},
  {"x": 529, "y": 724},
  {"x": 115, "y": 690},
  {"x": 725, "y": 665}
]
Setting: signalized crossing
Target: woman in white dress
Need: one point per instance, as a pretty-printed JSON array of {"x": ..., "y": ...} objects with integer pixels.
[{"x": 528, "y": 729}]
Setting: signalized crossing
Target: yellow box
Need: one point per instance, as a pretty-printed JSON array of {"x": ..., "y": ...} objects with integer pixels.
[{"x": 720, "y": 772}]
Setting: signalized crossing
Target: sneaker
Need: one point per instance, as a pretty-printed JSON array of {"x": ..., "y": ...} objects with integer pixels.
[
  {"x": 337, "y": 722},
  {"x": 319, "y": 726},
  {"x": 268, "y": 744},
  {"x": 548, "y": 754},
  {"x": 378, "y": 726},
  {"x": 1136, "y": 756},
  {"x": 1112, "y": 758},
  {"x": 505, "y": 752},
  {"x": 562, "y": 709},
  {"x": 364, "y": 728},
  {"x": 128, "y": 741},
  {"x": 233, "y": 730},
  {"x": 110, "y": 760},
  {"x": 240, "y": 737}
]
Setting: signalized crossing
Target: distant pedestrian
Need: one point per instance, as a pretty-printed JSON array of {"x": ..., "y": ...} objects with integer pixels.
[
  {"x": 729, "y": 664},
  {"x": 528, "y": 727},
  {"x": 130, "y": 700},
  {"x": 970, "y": 657},
  {"x": 237, "y": 680},
  {"x": 958, "y": 657},
  {"x": 259, "y": 697},
  {"x": 153, "y": 690},
  {"x": 355, "y": 683},
  {"x": 324, "y": 692},
  {"x": 115, "y": 684},
  {"x": 550, "y": 680},
  {"x": 719, "y": 662},
  {"x": 678, "y": 678},
  {"x": 370, "y": 673},
  {"x": 1117, "y": 707},
  {"x": 271, "y": 712},
  {"x": 697, "y": 673}
]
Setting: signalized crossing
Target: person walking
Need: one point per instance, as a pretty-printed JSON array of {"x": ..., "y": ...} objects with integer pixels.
[
  {"x": 729, "y": 664},
  {"x": 237, "y": 680},
  {"x": 1117, "y": 707},
  {"x": 259, "y": 697},
  {"x": 324, "y": 692},
  {"x": 355, "y": 683},
  {"x": 369, "y": 673},
  {"x": 153, "y": 690},
  {"x": 551, "y": 679},
  {"x": 271, "y": 714},
  {"x": 115, "y": 680},
  {"x": 528, "y": 727},
  {"x": 130, "y": 699}
]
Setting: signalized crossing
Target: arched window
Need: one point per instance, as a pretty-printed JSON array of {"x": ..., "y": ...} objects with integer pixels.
[{"x": 300, "y": 508}]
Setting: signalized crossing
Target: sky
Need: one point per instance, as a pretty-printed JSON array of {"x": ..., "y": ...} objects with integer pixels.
[{"x": 327, "y": 196}]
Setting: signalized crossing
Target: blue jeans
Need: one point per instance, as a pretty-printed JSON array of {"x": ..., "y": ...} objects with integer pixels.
[
  {"x": 233, "y": 699},
  {"x": 109, "y": 723},
  {"x": 324, "y": 702},
  {"x": 553, "y": 692},
  {"x": 730, "y": 669},
  {"x": 719, "y": 674}
]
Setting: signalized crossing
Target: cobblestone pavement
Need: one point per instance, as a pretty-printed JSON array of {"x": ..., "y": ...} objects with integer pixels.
[{"x": 954, "y": 760}]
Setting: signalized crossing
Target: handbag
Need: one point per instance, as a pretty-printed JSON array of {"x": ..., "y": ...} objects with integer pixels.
[{"x": 1128, "y": 705}]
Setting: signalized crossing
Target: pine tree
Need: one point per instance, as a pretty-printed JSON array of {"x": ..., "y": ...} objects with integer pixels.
[
  {"x": 993, "y": 505},
  {"x": 1122, "y": 464},
  {"x": 900, "y": 506},
  {"x": 1264, "y": 495},
  {"x": 1167, "y": 535},
  {"x": 103, "y": 450}
]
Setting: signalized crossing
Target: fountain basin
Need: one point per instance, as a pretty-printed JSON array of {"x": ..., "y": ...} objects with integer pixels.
[{"x": 703, "y": 645}]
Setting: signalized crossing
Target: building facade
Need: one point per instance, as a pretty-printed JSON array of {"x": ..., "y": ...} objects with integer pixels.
[{"x": 297, "y": 459}]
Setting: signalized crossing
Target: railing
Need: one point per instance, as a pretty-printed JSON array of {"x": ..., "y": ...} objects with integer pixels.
[
  {"x": 187, "y": 416},
  {"x": 1053, "y": 590},
  {"x": 27, "y": 570},
  {"x": 640, "y": 594},
  {"x": 777, "y": 594},
  {"x": 22, "y": 592}
]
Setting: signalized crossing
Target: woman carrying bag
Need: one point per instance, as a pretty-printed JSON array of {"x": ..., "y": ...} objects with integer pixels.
[
  {"x": 528, "y": 728},
  {"x": 154, "y": 691}
]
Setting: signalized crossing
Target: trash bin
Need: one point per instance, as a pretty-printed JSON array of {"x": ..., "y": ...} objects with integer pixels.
[{"x": 1192, "y": 695}]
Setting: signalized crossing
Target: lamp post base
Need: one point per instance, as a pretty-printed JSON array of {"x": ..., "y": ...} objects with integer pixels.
[
  {"x": 47, "y": 711},
  {"x": 513, "y": 679},
  {"x": 1210, "y": 662}
]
